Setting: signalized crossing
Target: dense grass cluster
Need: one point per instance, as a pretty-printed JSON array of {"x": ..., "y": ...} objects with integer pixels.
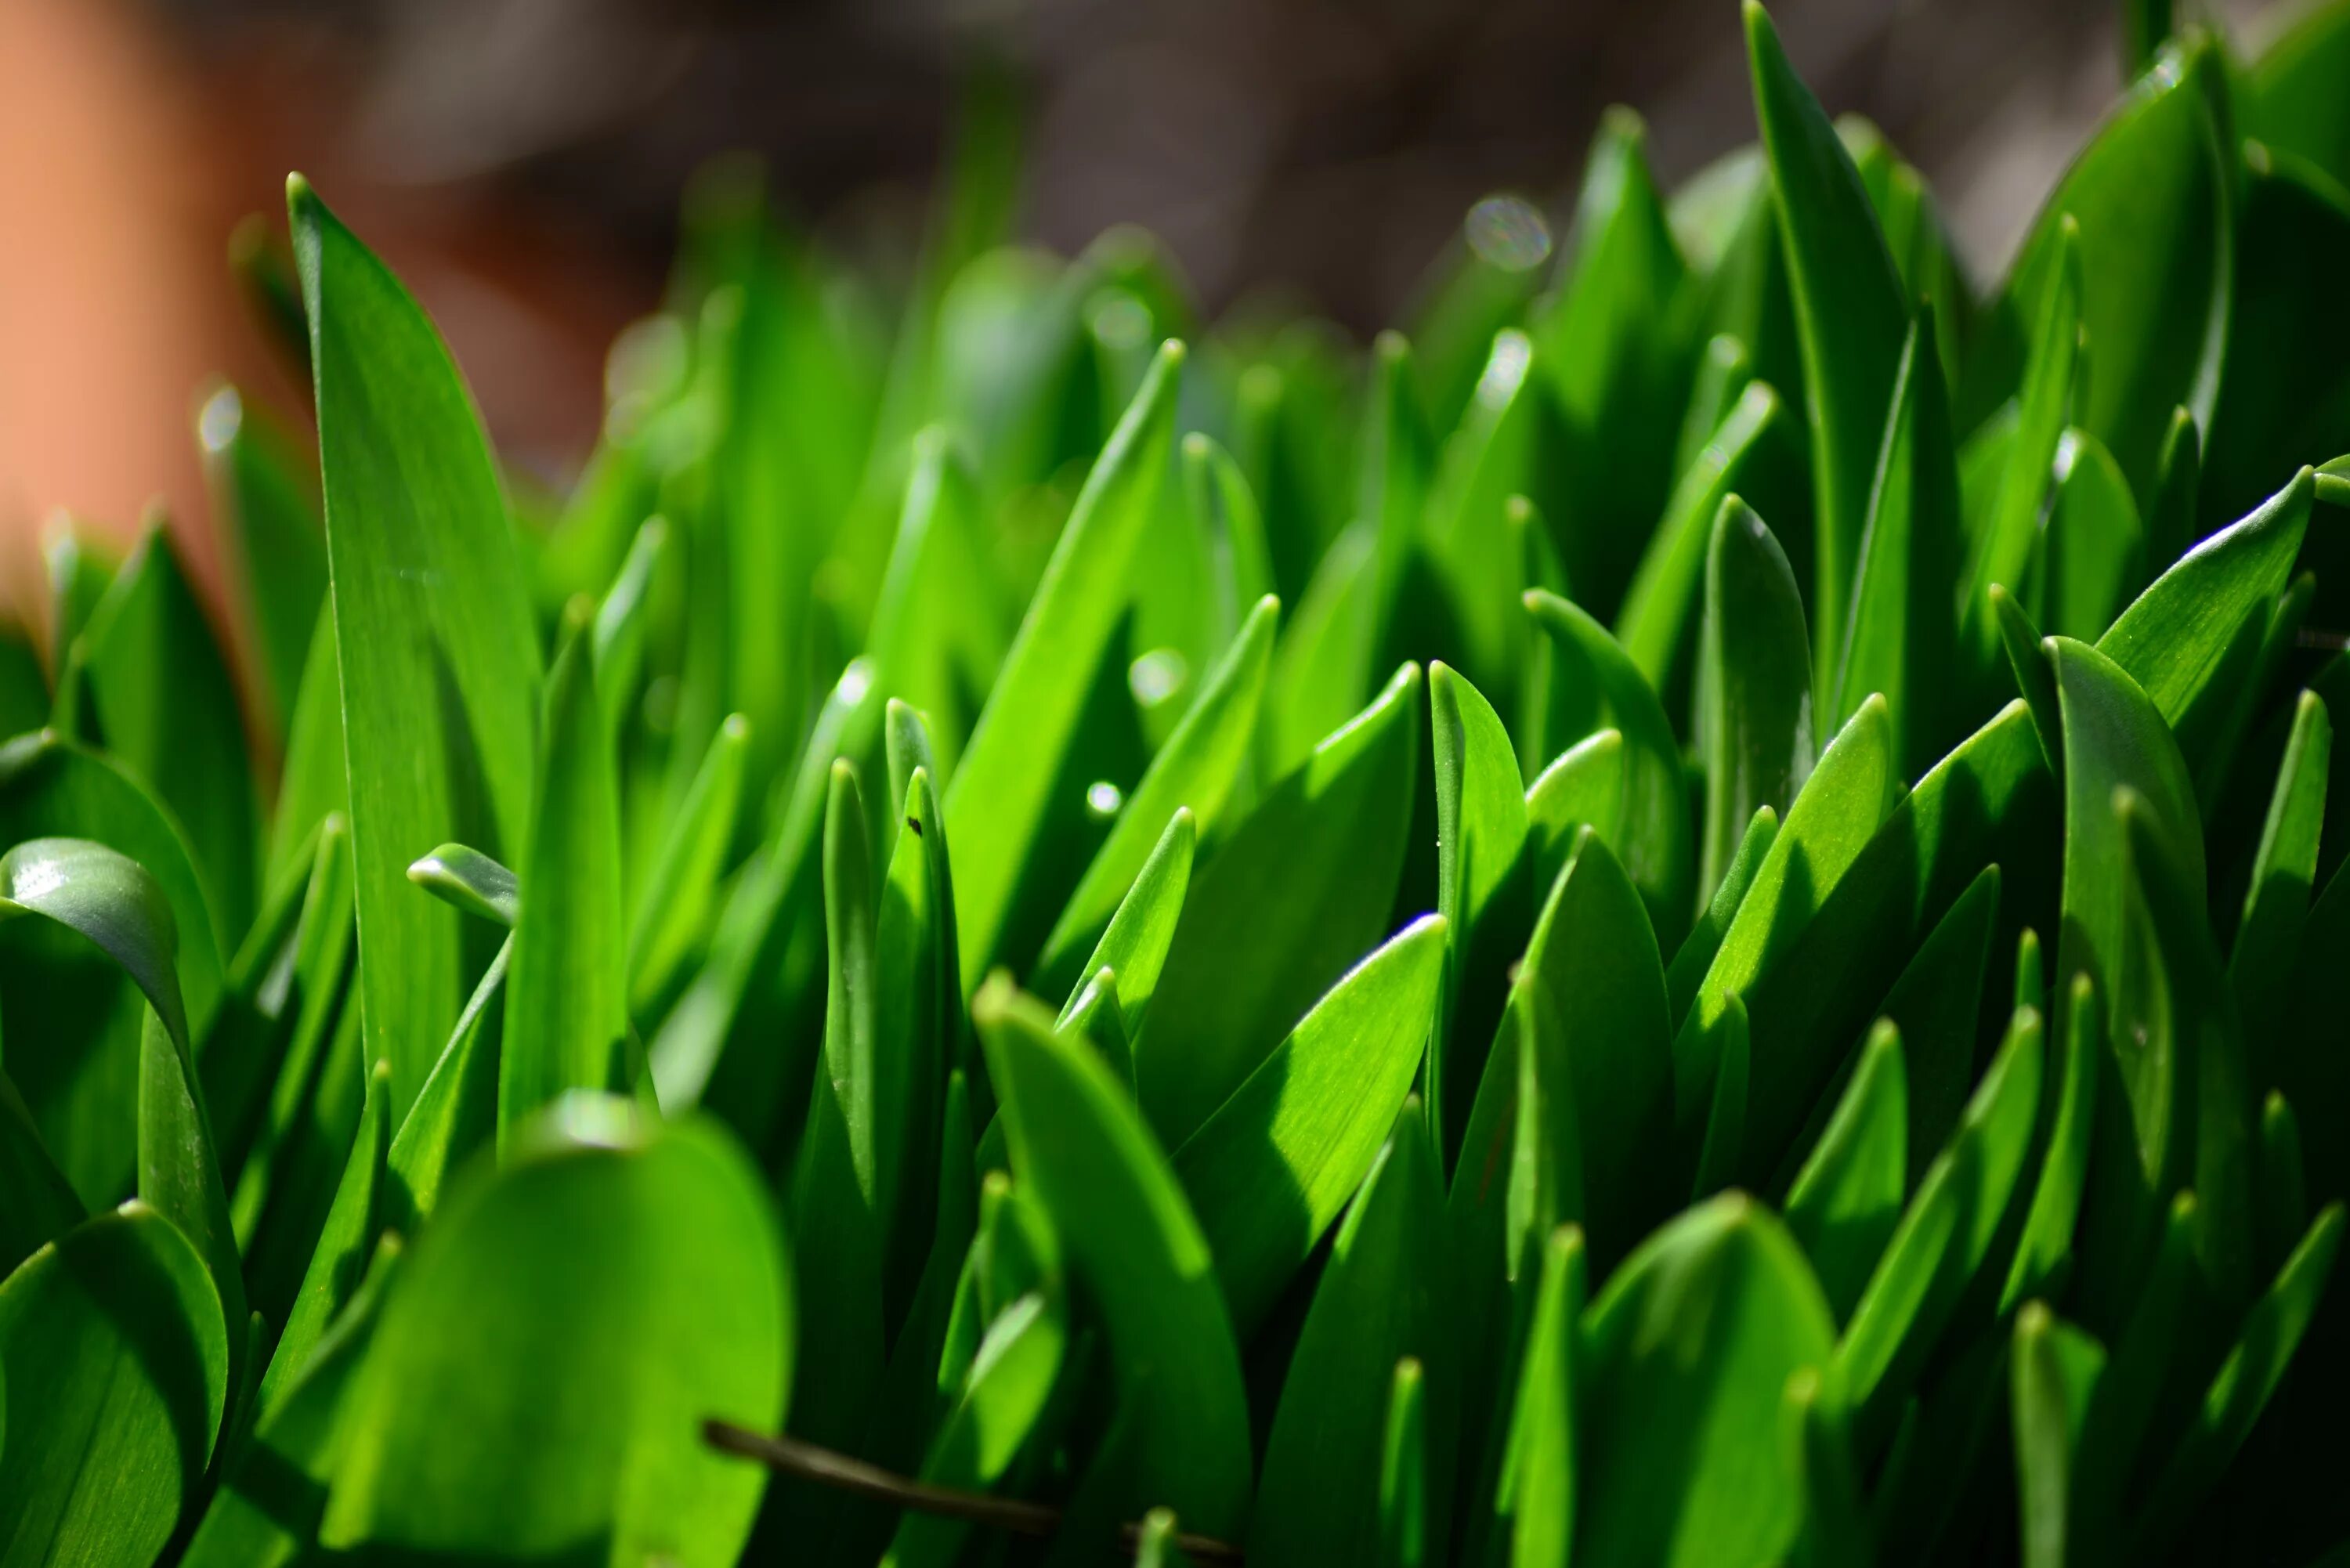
[{"x": 1512, "y": 949}]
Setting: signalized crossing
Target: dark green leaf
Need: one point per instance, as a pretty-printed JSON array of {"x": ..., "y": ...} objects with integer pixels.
[
  {"x": 2055, "y": 1368},
  {"x": 1689, "y": 1348},
  {"x": 674, "y": 900},
  {"x": 1132, "y": 1242},
  {"x": 345, "y": 1243},
  {"x": 2284, "y": 870},
  {"x": 1847, "y": 1197},
  {"x": 1378, "y": 1300},
  {"x": 2044, "y": 1253},
  {"x": 117, "y": 1375},
  {"x": 1538, "y": 1473},
  {"x": 1481, "y": 834}
]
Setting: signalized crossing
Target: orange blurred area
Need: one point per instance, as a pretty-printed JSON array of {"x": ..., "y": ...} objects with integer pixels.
[{"x": 123, "y": 168}]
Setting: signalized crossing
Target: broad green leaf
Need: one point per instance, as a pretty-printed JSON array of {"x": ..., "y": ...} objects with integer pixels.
[
  {"x": 1610, "y": 691},
  {"x": 1669, "y": 588},
  {"x": 609, "y": 1288},
  {"x": 1131, "y": 1240},
  {"x": 1271, "y": 1168},
  {"x": 619, "y": 635},
  {"x": 346, "y": 1243},
  {"x": 1847, "y": 1197},
  {"x": 1755, "y": 718},
  {"x": 1297, "y": 894},
  {"x": 117, "y": 1372},
  {"x": 566, "y": 988},
  {"x": 167, "y": 708},
  {"x": 1689, "y": 1348},
  {"x": 1946, "y": 1234},
  {"x": 2055, "y": 1368},
  {"x": 1538, "y": 1474},
  {"x": 267, "y": 504},
  {"x": 2093, "y": 550},
  {"x": 2282, "y": 398},
  {"x": 257, "y": 1520},
  {"x": 1195, "y": 772},
  {"x": 2244, "y": 1382},
  {"x": 2003, "y": 551},
  {"x": 429, "y": 595},
  {"x": 1584, "y": 787},
  {"x": 1481, "y": 834},
  {"x": 2173, "y": 638},
  {"x": 1847, "y": 796},
  {"x": 2284, "y": 871},
  {"x": 1900, "y": 636},
  {"x": 2151, "y": 196},
  {"x": 1378, "y": 1300},
  {"x": 1486, "y": 459},
  {"x": 42, "y": 1204},
  {"x": 1134, "y": 945},
  {"x": 2019, "y": 636},
  {"x": 1619, "y": 344},
  {"x": 1852, "y": 311},
  {"x": 999, "y": 786},
  {"x": 2044, "y": 1252},
  {"x": 674, "y": 901},
  {"x": 1317, "y": 679}
]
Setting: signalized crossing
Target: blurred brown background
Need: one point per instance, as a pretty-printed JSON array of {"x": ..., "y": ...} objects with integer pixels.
[{"x": 519, "y": 161}]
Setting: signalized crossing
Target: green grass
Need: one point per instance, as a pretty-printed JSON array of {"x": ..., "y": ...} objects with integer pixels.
[{"x": 1693, "y": 916}]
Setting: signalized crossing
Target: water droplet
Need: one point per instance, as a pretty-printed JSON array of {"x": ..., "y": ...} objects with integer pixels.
[
  {"x": 1157, "y": 676},
  {"x": 1505, "y": 368},
  {"x": 855, "y": 681},
  {"x": 1104, "y": 799},
  {"x": 222, "y": 417},
  {"x": 1507, "y": 232}
]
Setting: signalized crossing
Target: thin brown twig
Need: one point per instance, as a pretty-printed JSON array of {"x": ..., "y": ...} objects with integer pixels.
[{"x": 807, "y": 1462}]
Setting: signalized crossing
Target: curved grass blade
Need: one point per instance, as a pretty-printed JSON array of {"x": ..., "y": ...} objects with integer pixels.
[
  {"x": 1655, "y": 845},
  {"x": 1032, "y": 712},
  {"x": 275, "y": 545},
  {"x": 1273, "y": 1167},
  {"x": 1851, "y": 310},
  {"x": 2003, "y": 549},
  {"x": 1667, "y": 591},
  {"x": 1538, "y": 1472},
  {"x": 1481, "y": 835},
  {"x": 167, "y": 705},
  {"x": 1755, "y": 718},
  {"x": 1297, "y": 894},
  {"x": 1133, "y": 948},
  {"x": 2284, "y": 869},
  {"x": 1689, "y": 1348},
  {"x": 1840, "y": 810},
  {"x": 674, "y": 901},
  {"x": 916, "y": 1024},
  {"x": 2044, "y": 1253},
  {"x": 346, "y": 1243},
  {"x": 567, "y": 987},
  {"x": 1688, "y": 970},
  {"x": 1846, "y": 1199},
  {"x": 1130, "y": 1239},
  {"x": 1378, "y": 1302},
  {"x": 1945, "y": 1236},
  {"x": 456, "y": 1112},
  {"x": 2093, "y": 551},
  {"x": 1194, "y": 771},
  {"x": 2055, "y": 1368}
]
